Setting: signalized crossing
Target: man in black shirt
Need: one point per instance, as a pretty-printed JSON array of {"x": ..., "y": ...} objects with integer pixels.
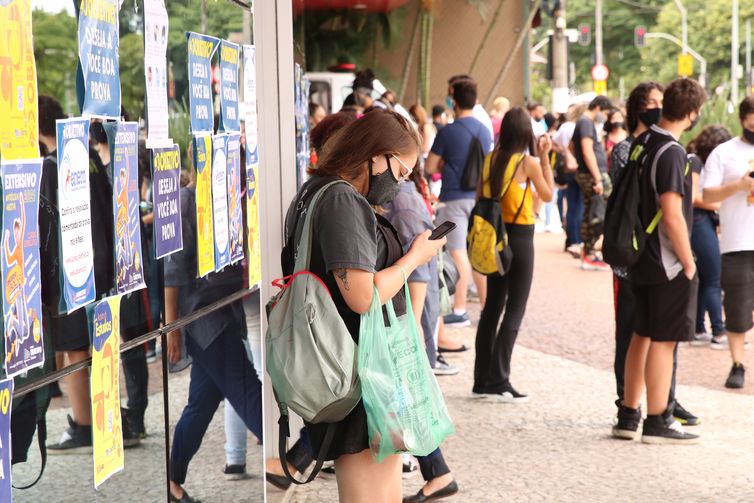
[
  {"x": 592, "y": 176},
  {"x": 664, "y": 278}
]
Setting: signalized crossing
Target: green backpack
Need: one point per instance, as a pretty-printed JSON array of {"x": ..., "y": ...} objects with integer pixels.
[{"x": 309, "y": 354}]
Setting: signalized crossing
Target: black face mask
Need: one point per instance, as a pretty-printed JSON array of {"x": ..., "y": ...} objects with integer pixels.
[
  {"x": 694, "y": 123},
  {"x": 650, "y": 116},
  {"x": 749, "y": 136},
  {"x": 383, "y": 187}
]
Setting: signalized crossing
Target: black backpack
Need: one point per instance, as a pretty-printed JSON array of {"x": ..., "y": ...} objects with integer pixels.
[
  {"x": 625, "y": 236},
  {"x": 472, "y": 170}
]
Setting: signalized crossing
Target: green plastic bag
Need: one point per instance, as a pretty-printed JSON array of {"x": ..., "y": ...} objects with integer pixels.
[{"x": 404, "y": 405}]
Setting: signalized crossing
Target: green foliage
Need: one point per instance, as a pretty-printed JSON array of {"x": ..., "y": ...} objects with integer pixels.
[
  {"x": 55, "y": 51},
  {"x": 715, "y": 112},
  {"x": 132, "y": 87},
  {"x": 179, "y": 128}
]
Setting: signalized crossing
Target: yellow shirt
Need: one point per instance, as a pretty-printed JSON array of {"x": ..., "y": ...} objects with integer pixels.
[{"x": 513, "y": 195}]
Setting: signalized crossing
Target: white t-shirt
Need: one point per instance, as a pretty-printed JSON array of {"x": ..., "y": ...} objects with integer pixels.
[
  {"x": 564, "y": 134},
  {"x": 482, "y": 116},
  {"x": 728, "y": 163}
]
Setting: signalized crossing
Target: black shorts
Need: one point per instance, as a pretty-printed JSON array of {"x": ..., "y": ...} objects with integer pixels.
[
  {"x": 737, "y": 281},
  {"x": 666, "y": 312},
  {"x": 69, "y": 333}
]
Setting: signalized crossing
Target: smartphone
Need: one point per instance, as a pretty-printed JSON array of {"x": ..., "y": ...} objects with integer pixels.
[{"x": 442, "y": 230}]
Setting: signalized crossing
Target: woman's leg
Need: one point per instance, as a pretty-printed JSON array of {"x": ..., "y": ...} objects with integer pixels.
[
  {"x": 435, "y": 472},
  {"x": 487, "y": 331},
  {"x": 700, "y": 245},
  {"x": 360, "y": 478}
]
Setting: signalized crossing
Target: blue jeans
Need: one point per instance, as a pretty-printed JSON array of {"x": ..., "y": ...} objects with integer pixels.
[
  {"x": 706, "y": 247},
  {"x": 222, "y": 370},
  {"x": 574, "y": 213}
]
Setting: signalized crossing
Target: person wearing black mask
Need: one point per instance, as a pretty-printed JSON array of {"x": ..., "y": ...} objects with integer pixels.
[
  {"x": 354, "y": 249},
  {"x": 615, "y": 132}
]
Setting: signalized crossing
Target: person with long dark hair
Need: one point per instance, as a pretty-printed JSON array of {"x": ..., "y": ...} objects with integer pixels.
[{"x": 511, "y": 174}]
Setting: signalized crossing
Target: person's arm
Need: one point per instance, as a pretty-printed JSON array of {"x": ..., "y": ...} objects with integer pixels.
[
  {"x": 171, "y": 314},
  {"x": 418, "y": 293},
  {"x": 699, "y": 198},
  {"x": 671, "y": 204},
  {"x": 540, "y": 172},
  {"x": 432, "y": 165},
  {"x": 357, "y": 286},
  {"x": 590, "y": 160},
  {"x": 721, "y": 193}
]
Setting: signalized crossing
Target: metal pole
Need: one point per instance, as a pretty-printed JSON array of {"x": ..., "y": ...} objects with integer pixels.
[
  {"x": 560, "y": 61},
  {"x": 694, "y": 54},
  {"x": 734, "y": 55},
  {"x": 684, "y": 26},
  {"x": 204, "y": 20},
  {"x": 598, "y": 55},
  {"x": 749, "y": 82}
]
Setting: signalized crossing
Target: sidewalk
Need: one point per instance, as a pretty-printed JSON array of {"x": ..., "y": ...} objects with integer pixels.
[{"x": 558, "y": 447}]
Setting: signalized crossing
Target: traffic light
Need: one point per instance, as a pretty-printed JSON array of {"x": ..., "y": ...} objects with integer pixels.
[
  {"x": 585, "y": 34},
  {"x": 640, "y": 33}
]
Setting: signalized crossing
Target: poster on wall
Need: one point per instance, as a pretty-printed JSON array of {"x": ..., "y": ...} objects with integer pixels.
[
  {"x": 235, "y": 203},
  {"x": 19, "y": 138},
  {"x": 254, "y": 252},
  {"x": 22, "y": 293},
  {"x": 252, "y": 218},
  {"x": 166, "y": 204},
  {"x": 156, "y": 72},
  {"x": 230, "y": 121},
  {"x": 107, "y": 428},
  {"x": 200, "y": 51},
  {"x": 124, "y": 141},
  {"x": 76, "y": 252},
  {"x": 301, "y": 90},
  {"x": 6, "y": 399},
  {"x": 205, "y": 242},
  {"x": 98, "y": 58},
  {"x": 220, "y": 200},
  {"x": 250, "y": 104}
]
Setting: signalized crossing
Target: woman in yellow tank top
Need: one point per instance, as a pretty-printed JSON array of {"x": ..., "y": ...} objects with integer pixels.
[{"x": 511, "y": 174}]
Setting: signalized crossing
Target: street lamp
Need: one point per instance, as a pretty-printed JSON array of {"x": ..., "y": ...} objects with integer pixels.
[{"x": 684, "y": 26}]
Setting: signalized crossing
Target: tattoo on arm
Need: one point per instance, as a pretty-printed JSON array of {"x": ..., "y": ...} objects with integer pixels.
[{"x": 342, "y": 275}]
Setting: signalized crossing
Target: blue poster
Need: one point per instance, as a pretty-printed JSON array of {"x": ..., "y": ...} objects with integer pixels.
[
  {"x": 200, "y": 51},
  {"x": 229, "y": 116},
  {"x": 166, "y": 194},
  {"x": 22, "y": 294},
  {"x": 98, "y": 57},
  {"x": 220, "y": 200},
  {"x": 6, "y": 399},
  {"x": 74, "y": 205},
  {"x": 129, "y": 275},
  {"x": 235, "y": 200}
]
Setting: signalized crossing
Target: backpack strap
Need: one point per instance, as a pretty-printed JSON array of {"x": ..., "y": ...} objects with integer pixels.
[
  {"x": 521, "y": 206},
  {"x": 653, "y": 176},
  {"x": 284, "y": 433},
  {"x": 42, "y": 441}
]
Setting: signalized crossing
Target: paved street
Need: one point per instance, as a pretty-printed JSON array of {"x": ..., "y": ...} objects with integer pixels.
[{"x": 557, "y": 447}]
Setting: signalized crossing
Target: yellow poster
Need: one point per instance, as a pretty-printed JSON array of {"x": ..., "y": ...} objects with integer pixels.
[
  {"x": 252, "y": 216},
  {"x": 18, "y": 83},
  {"x": 107, "y": 431},
  {"x": 205, "y": 242}
]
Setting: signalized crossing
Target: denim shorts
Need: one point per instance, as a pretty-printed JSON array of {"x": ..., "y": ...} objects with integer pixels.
[
  {"x": 458, "y": 212},
  {"x": 737, "y": 281}
]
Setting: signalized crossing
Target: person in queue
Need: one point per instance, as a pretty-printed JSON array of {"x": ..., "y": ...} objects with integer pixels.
[{"x": 354, "y": 250}]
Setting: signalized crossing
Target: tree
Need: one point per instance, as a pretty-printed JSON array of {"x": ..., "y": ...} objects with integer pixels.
[
  {"x": 132, "y": 87},
  {"x": 56, "y": 56}
]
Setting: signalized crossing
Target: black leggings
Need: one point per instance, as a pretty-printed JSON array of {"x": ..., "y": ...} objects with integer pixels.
[{"x": 509, "y": 293}]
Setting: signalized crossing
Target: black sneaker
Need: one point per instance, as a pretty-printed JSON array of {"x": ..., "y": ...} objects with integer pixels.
[
  {"x": 77, "y": 439},
  {"x": 627, "y": 426},
  {"x": 684, "y": 417},
  {"x": 131, "y": 437},
  {"x": 664, "y": 429},
  {"x": 736, "y": 376},
  {"x": 235, "y": 472}
]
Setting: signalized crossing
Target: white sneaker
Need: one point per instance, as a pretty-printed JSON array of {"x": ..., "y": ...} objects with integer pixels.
[
  {"x": 574, "y": 250},
  {"x": 443, "y": 368},
  {"x": 700, "y": 339},
  {"x": 554, "y": 229}
]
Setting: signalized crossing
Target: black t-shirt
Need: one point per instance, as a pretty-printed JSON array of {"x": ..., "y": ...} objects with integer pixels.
[
  {"x": 585, "y": 129},
  {"x": 664, "y": 168}
]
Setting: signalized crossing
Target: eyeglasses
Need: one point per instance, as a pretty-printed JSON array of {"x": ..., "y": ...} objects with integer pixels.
[{"x": 403, "y": 165}]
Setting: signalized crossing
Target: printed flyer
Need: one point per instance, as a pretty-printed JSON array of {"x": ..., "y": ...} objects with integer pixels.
[
  {"x": 156, "y": 72},
  {"x": 98, "y": 57},
  {"x": 129, "y": 275},
  {"x": 205, "y": 246},
  {"x": 166, "y": 194},
  {"x": 252, "y": 218},
  {"x": 250, "y": 108},
  {"x": 22, "y": 294},
  {"x": 229, "y": 116},
  {"x": 220, "y": 200},
  {"x": 6, "y": 402},
  {"x": 107, "y": 430},
  {"x": 235, "y": 204},
  {"x": 76, "y": 252},
  {"x": 200, "y": 51},
  {"x": 19, "y": 138}
]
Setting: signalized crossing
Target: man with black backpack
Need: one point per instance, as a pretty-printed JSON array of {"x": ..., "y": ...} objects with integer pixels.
[
  {"x": 458, "y": 153},
  {"x": 663, "y": 275}
]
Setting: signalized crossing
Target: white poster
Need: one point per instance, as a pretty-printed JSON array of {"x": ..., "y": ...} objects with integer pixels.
[
  {"x": 155, "y": 71},
  {"x": 250, "y": 104}
]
